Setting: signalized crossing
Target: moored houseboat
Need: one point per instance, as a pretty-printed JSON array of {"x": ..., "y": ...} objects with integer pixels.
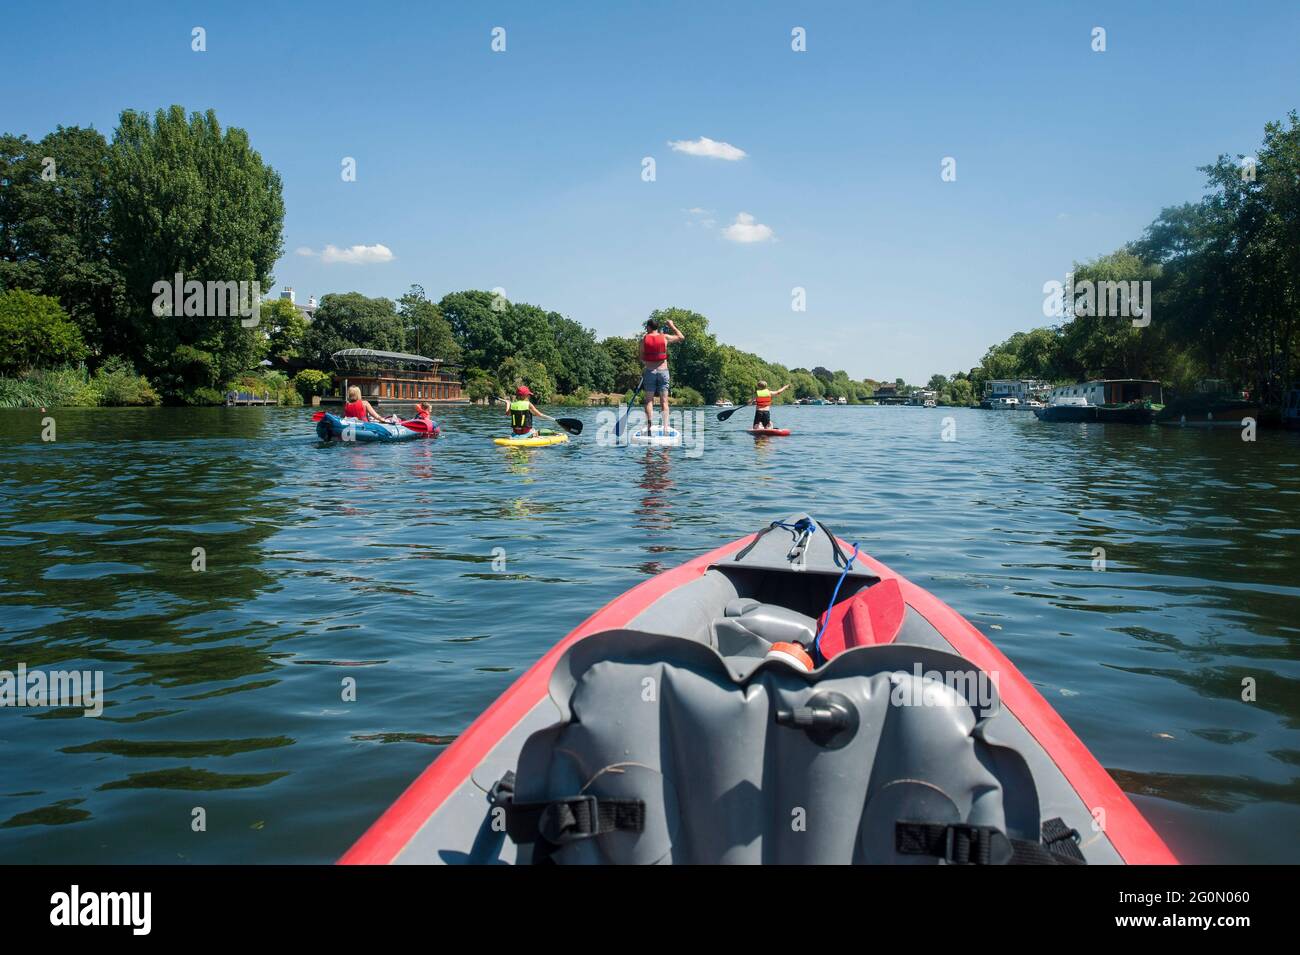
[
  {"x": 1123, "y": 400},
  {"x": 1212, "y": 404},
  {"x": 397, "y": 377},
  {"x": 1022, "y": 389}
]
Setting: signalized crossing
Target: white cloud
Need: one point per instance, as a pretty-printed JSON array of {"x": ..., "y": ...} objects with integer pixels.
[
  {"x": 745, "y": 229},
  {"x": 702, "y": 217},
  {"x": 704, "y": 146},
  {"x": 303, "y": 250},
  {"x": 356, "y": 254}
]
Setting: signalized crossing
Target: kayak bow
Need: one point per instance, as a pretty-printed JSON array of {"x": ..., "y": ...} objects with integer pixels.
[{"x": 914, "y": 740}]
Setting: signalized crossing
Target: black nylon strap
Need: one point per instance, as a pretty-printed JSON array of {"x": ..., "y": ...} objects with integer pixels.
[
  {"x": 963, "y": 844},
  {"x": 959, "y": 843},
  {"x": 560, "y": 821}
]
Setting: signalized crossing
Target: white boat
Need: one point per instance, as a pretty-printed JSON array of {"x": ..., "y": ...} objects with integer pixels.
[
  {"x": 723, "y": 403},
  {"x": 842, "y": 401},
  {"x": 1004, "y": 403},
  {"x": 929, "y": 403}
]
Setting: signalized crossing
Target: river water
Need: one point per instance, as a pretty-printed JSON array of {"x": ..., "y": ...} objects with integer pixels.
[{"x": 223, "y": 687}]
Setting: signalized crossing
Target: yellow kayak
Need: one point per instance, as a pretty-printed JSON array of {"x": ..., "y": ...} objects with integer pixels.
[{"x": 539, "y": 440}]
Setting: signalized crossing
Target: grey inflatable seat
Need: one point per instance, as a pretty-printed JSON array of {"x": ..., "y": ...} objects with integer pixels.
[{"x": 667, "y": 752}]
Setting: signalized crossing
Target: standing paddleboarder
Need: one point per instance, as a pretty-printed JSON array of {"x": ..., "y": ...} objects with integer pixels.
[
  {"x": 763, "y": 404},
  {"x": 654, "y": 369}
]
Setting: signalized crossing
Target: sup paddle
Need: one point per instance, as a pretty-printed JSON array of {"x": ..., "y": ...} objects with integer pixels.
[
  {"x": 724, "y": 415},
  {"x": 618, "y": 427}
]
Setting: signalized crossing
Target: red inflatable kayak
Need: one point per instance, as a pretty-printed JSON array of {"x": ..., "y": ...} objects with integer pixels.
[
  {"x": 684, "y": 720},
  {"x": 769, "y": 432}
]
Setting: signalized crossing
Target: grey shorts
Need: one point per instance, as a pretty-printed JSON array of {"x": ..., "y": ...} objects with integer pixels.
[{"x": 654, "y": 383}]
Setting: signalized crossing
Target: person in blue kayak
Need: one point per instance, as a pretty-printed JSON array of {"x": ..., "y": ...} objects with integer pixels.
[
  {"x": 762, "y": 403},
  {"x": 654, "y": 369},
  {"x": 522, "y": 411},
  {"x": 361, "y": 409}
]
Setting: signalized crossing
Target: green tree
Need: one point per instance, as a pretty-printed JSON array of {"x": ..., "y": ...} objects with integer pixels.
[
  {"x": 286, "y": 328},
  {"x": 580, "y": 361},
  {"x": 186, "y": 196},
  {"x": 36, "y": 332},
  {"x": 478, "y": 327},
  {"x": 54, "y": 229},
  {"x": 352, "y": 320},
  {"x": 697, "y": 361},
  {"x": 311, "y": 381},
  {"x": 425, "y": 329},
  {"x": 960, "y": 392},
  {"x": 514, "y": 372},
  {"x": 806, "y": 385},
  {"x": 1104, "y": 345},
  {"x": 625, "y": 363}
]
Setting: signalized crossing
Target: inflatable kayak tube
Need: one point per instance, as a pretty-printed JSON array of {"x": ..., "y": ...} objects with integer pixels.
[
  {"x": 333, "y": 428},
  {"x": 540, "y": 440},
  {"x": 770, "y": 432},
  {"x": 683, "y": 721},
  {"x": 658, "y": 437}
]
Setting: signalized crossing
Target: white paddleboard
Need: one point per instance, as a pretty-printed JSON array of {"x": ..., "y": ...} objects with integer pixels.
[{"x": 664, "y": 437}]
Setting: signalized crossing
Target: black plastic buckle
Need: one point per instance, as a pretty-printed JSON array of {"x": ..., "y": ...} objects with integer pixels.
[
  {"x": 559, "y": 824},
  {"x": 976, "y": 845}
]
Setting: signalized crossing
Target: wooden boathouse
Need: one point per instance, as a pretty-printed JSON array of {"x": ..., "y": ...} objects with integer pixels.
[{"x": 393, "y": 376}]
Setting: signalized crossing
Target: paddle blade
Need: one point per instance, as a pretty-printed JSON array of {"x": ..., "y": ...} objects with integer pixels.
[
  {"x": 319, "y": 415},
  {"x": 724, "y": 415},
  {"x": 571, "y": 425},
  {"x": 418, "y": 424}
]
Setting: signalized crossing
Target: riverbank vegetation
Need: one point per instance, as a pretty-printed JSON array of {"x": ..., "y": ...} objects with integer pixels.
[
  {"x": 92, "y": 225},
  {"x": 89, "y": 226},
  {"x": 1225, "y": 290}
]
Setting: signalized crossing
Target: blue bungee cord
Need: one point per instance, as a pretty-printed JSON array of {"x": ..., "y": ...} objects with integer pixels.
[{"x": 826, "y": 619}]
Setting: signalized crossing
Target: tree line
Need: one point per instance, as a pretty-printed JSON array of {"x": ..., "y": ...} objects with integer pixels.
[
  {"x": 500, "y": 344},
  {"x": 89, "y": 225},
  {"x": 1224, "y": 274}
]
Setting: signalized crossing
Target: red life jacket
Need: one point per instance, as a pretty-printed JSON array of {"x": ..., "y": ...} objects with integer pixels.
[
  {"x": 355, "y": 409},
  {"x": 762, "y": 399},
  {"x": 654, "y": 347}
]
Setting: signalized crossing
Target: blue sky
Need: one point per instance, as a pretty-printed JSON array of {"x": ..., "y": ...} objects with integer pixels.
[{"x": 522, "y": 169}]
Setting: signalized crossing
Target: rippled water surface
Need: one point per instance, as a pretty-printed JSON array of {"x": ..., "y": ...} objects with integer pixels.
[{"x": 224, "y": 687}]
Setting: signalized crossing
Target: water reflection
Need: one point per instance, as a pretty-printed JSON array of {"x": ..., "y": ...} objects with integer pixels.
[
  {"x": 655, "y": 511},
  {"x": 375, "y": 563}
]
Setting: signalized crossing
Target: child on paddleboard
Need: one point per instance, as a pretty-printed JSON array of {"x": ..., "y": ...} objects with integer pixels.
[
  {"x": 763, "y": 404},
  {"x": 522, "y": 411}
]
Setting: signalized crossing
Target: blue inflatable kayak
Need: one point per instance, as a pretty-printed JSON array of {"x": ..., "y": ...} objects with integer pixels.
[{"x": 333, "y": 428}]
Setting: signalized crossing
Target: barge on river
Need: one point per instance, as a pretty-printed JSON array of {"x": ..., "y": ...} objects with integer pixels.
[{"x": 1123, "y": 400}]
